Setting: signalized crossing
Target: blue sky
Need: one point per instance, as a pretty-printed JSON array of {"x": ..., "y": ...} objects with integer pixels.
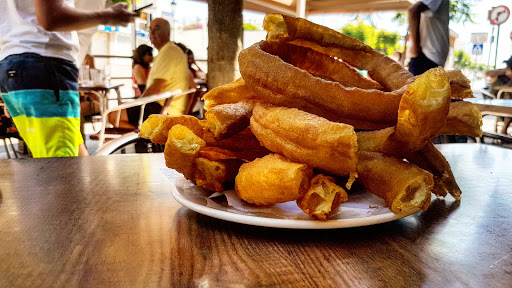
[{"x": 188, "y": 11}]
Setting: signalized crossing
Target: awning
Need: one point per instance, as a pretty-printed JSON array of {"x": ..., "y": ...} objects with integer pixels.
[{"x": 326, "y": 6}]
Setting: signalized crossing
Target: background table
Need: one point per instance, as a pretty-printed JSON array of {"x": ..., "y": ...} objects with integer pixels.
[
  {"x": 102, "y": 92},
  {"x": 497, "y": 107},
  {"x": 111, "y": 221}
]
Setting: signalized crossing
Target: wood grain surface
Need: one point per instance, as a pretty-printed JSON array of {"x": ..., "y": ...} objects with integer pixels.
[{"x": 110, "y": 221}]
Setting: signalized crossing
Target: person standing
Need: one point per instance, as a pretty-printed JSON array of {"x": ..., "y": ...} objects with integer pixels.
[
  {"x": 38, "y": 74},
  {"x": 428, "y": 34}
]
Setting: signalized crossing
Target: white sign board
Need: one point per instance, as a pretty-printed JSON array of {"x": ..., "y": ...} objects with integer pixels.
[
  {"x": 477, "y": 49},
  {"x": 478, "y": 38}
]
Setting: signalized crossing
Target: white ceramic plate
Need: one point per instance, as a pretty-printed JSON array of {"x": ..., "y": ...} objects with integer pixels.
[{"x": 362, "y": 209}]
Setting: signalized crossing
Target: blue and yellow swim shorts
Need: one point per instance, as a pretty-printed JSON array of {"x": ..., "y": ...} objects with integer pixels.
[{"x": 41, "y": 94}]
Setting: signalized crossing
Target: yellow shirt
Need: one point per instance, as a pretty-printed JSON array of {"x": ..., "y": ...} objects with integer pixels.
[{"x": 171, "y": 65}]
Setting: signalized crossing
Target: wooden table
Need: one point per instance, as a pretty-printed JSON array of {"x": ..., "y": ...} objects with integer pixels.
[{"x": 111, "y": 221}]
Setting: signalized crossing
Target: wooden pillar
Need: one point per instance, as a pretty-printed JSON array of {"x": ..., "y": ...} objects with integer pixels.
[{"x": 225, "y": 41}]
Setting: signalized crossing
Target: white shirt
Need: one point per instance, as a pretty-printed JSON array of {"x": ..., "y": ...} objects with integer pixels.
[
  {"x": 85, "y": 36},
  {"x": 434, "y": 31},
  {"x": 21, "y": 33}
]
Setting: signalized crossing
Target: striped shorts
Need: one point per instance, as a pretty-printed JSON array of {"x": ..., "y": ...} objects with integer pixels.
[{"x": 41, "y": 94}]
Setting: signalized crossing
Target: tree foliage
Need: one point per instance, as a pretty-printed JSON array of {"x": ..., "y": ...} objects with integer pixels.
[
  {"x": 383, "y": 41},
  {"x": 387, "y": 42},
  {"x": 462, "y": 59},
  {"x": 250, "y": 27},
  {"x": 112, "y": 2},
  {"x": 460, "y": 11},
  {"x": 361, "y": 32},
  {"x": 121, "y": 1}
]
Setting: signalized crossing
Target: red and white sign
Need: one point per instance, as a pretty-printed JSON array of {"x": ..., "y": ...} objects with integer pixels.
[{"x": 499, "y": 15}]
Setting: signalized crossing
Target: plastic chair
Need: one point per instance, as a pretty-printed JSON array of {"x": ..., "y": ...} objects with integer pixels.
[
  {"x": 195, "y": 98},
  {"x": 117, "y": 132},
  {"x": 113, "y": 146},
  {"x": 500, "y": 95},
  {"x": 486, "y": 93},
  {"x": 131, "y": 137},
  {"x": 94, "y": 117},
  {"x": 7, "y": 147}
]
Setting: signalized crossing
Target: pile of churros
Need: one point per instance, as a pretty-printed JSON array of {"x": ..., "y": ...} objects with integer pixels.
[{"x": 302, "y": 124}]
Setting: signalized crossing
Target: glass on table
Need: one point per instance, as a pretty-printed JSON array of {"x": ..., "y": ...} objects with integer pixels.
[{"x": 85, "y": 75}]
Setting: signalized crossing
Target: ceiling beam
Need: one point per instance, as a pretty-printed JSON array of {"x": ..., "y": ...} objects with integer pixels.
[
  {"x": 360, "y": 8},
  {"x": 268, "y": 7},
  {"x": 326, "y": 6},
  {"x": 314, "y": 3}
]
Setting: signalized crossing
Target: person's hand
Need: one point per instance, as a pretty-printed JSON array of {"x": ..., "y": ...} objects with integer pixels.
[
  {"x": 117, "y": 15},
  {"x": 6, "y": 112}
]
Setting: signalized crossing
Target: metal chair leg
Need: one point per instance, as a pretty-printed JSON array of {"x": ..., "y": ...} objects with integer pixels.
[
  {"x": 6, "y": 149},
  {"x": 13, "y": 149}
]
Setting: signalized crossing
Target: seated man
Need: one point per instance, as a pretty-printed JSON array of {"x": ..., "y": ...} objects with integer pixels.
[
  {"x": 500, "y": 78},
  {"x": 169, "y": 73}
]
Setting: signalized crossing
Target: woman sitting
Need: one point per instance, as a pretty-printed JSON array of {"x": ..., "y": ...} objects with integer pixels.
[
  {"x": 196, "y": 73},
  {"x": 142, "y": 58}
]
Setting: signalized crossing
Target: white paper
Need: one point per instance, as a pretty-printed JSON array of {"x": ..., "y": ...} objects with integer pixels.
[{"x": 359, "y": 205}]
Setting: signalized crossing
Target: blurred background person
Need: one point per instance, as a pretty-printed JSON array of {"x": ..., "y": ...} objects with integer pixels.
[
  {"x": 190, "y": 60},
  {"x": 428, "y": 34},
  {"x": 498, "y": 79},
  {"x": 168, "y": 73},
  {"x": 196, "y": 71},
  {"x": 142, "y": 58},
  {"x": 170, "y": 70},
  {"x": 89, "y": 105},
  {"x": 39, "y": 50},
  {"x": 89, "y": 61},
  {"x": 397, "y": 56}
]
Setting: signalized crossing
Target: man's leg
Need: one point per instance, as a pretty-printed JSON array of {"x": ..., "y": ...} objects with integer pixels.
[
  {"x": 506, "y": 124},
  {"x": 42, "y": 95},
  {"x": 82, "y": 150}
]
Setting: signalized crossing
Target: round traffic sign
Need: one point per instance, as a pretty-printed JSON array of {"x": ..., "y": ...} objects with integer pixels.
[{"x": 499, "y": 15}]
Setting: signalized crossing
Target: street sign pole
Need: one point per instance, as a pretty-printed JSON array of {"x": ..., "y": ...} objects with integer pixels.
[
  {"x": 474, "y": 70},
  {"x": 497, "y": 41},
  {"x": 490, "y": 46},
  {"x": 497, "y": 16}
]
